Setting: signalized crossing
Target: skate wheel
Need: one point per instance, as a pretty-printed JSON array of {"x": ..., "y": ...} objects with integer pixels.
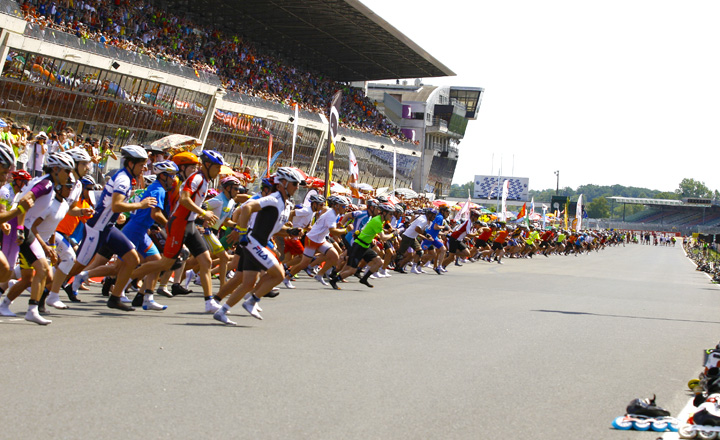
[
  {"x": 707, "y": 435},
  {"x": 673, "y": 426},
  {"x": 641, "y": 425},
  {"x": 659, "y": 425},
  {"x": 622, "y": 423},
  {"x": 687, "y": 431},
  {"x": 692, "y": 383}
]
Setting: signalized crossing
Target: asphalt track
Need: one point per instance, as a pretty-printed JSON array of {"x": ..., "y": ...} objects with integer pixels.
[{"x": 549, "y": 348}]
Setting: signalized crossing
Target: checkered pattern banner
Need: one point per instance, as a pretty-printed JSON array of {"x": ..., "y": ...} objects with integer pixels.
[{"x": 487, "y": 187}]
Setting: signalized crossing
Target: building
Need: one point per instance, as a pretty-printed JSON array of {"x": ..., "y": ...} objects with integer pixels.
[{"x": 435, "y": 116}]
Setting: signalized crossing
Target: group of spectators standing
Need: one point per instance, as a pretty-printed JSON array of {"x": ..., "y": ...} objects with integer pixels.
[
  {"x": 242, "y": 65},
  {"x": 31, "y": 148}
]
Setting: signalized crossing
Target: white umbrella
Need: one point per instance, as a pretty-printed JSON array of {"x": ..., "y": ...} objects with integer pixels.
[
  {"x": 364, "y": 187},
  {"x": 406, "y": 192}
]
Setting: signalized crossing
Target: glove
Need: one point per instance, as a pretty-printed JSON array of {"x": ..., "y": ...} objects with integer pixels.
[{"x": 243, "y": 239}]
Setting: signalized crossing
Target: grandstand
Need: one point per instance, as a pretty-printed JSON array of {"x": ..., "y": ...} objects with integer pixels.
[
  {"x": 229, "y": 73},
  {"x": 683, "y": 216}
]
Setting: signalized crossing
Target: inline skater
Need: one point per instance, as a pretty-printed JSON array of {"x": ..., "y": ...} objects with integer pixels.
[
  {"x": 361, "y": 249},
  {"x": 456, "y": 245},
  {"x": 136, "y": 229},
  {"x": 317, "y": 244},
  {"x": 10, "y": 246},
  {"x": 272, "y": 212},
  {"x": 101, "y": 231},
  {"x": 410, "y": 240},
  {"x": 34, "y": 251},
  {"x": 7, "y": 161},
  {"x": 181, "y": 228}
]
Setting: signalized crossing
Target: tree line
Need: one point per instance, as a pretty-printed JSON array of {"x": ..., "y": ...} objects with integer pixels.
[{"x": 596, "y": 200}]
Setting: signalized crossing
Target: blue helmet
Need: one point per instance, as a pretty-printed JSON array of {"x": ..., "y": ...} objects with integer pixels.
[
  {"x": 212, "y": 156},
  {"x": 266, "y": 183}
]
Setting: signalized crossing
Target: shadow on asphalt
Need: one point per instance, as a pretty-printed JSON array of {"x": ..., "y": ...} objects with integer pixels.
[
  {"x": 567, "y": 312},
  {"x": 213, "y": 324}
]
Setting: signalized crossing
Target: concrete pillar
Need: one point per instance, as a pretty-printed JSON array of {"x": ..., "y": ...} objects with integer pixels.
[{"x": 210, "y": 114}]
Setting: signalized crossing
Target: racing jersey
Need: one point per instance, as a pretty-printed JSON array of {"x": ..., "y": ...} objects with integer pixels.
[
  {"x": 222, "y": 207},
  {"x": 501, "y": 236},
  {"x": 420, "y": 222},
  {"x": 302, "y": 217},
  {"x": 373, "y": 227},
  {"x": 359, "y": 219},
  {"x": 439, "y": 221},
  {"x": 272, "y": 216},
  {"x": 120, "y": 183},
  {"x": 197, "y": 186},
  {"x": 52, "y": 217},
  {"x": 321, "y": 228},
  {"x": 42, "y": 189},
  {"x": 141, "y": 221},
  {"x": 461, "y": 231}
]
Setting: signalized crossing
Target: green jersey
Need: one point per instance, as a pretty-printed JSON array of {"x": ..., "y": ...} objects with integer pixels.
[{"x": 368, "y": 233}]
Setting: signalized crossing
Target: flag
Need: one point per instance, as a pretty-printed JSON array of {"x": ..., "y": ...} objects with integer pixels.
[
  {"x": 565, "y": 211},
  {"x": 333, "y": 126},
  {"x": 295, "y": 128},
  {"x": 354, "y": 176},
  {"x": 269, "y": 155},
  {"x": 578, "y": 213},
  {"x": 544, "y": 209},
  {"x": 522, "y": 212},
  {"x": 242, "y": 161},
  {"x": 464, "y": 212}
]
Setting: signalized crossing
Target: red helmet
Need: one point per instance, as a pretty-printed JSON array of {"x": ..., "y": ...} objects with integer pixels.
[{"x": 21, "y": 175}]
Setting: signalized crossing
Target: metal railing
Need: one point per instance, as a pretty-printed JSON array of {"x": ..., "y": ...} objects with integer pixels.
[
  {"x": 253, "y": 101},
  {"x": 33, "y": 30},
  {"x": 10, "y": 7}
]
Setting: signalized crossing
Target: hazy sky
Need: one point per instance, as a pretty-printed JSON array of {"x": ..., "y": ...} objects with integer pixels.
[{"x": 614, "y": 92}]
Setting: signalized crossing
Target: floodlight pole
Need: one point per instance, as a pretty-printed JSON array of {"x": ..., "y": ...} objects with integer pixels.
[{"x": 557, "y": 187}]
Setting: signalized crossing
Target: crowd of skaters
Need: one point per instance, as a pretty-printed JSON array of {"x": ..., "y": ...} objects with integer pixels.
[
  {"x": 179, "y": 228},
  {"x": 241, "y": 64}
]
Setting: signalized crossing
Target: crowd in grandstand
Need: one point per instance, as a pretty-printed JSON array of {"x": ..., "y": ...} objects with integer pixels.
[
  {"x": 62, "y": 228},
  {"x": 241, "y": 64}
]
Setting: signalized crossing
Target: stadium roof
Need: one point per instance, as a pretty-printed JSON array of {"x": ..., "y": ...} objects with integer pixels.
[
  {"x": 665, "y": 202},
  {"x": 341, "y": 38}
]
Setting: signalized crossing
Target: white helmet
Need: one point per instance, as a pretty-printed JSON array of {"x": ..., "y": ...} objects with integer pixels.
[
  {"x": 290, "y": 175},
  {"x": 149, "y": 178},
  {"x": 61, "y": 160},
  {"x": 7, "y": 156},
  {"x": 165, "y": 166},
  {"x": 79, "y": 154},
  {"x": 338, "y": 200},
  {"x": 133, "y": 152}
]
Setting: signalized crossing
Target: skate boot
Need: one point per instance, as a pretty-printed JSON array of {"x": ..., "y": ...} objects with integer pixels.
[
  {"x": 643, "y": 414},
  {"x": 705, "y": 423}
]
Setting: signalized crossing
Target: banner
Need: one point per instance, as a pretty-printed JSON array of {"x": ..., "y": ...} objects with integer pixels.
[
  {"x": 295, "y": 128},
  {"x": 354, "y": 176},
  {"x": 544, "y": 209},
  {"x": 505, "y": 191},
  {"x": 267, "y": 174},
  {"x": 333, "y": 126},
  {"x": 578, "y": 213}
]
